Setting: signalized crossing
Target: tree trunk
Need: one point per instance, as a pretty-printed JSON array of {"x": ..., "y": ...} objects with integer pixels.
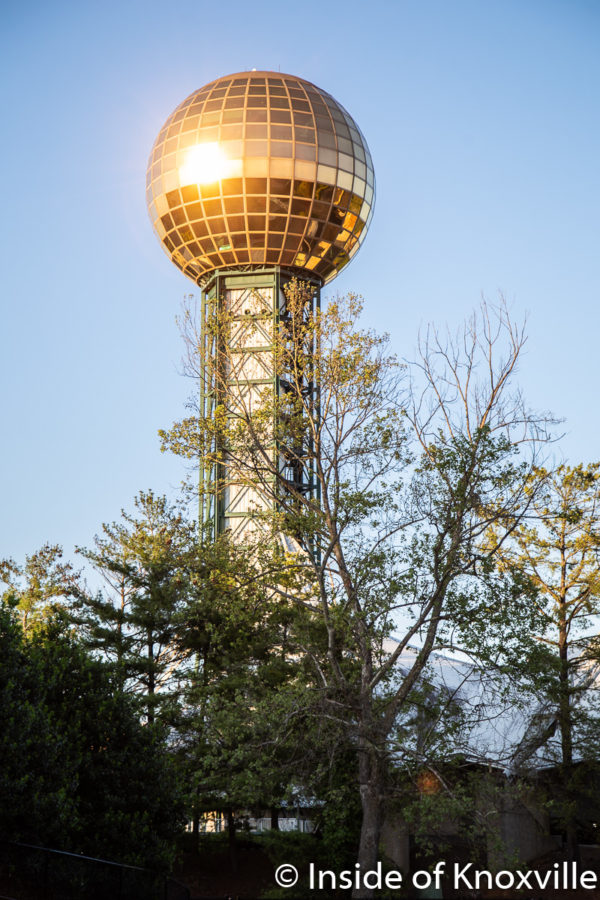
[
  {"x": 371, "y": 797},
  {"x": 150, "y": 644},
  {"x": 566, "y": 734},
  {"x": 566, "y": 727},
  {"x": 233, "y": 854},
  {"x": 274, "y": 819}
]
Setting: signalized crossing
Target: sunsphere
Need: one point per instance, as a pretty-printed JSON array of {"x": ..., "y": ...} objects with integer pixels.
[{"x": 260, "y": 169}]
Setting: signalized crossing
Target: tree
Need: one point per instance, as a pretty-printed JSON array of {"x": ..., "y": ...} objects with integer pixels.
[
  {"x": 77, "y": 769},
  {"x": 41, "y": 586},
  {"x": 410, "y": 468},
  {"x": 232, "y": 735},
  {"x": 143, "y": 563},
  {"x": 557, "y": 547}
]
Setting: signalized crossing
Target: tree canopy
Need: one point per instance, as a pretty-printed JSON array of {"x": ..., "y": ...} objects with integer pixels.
[
  {"x": 78, "y": 770},
  {"x": 413, "y": 466}
]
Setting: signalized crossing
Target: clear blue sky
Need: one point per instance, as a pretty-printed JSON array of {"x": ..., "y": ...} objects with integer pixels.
[{"x": 484, "y": 126}]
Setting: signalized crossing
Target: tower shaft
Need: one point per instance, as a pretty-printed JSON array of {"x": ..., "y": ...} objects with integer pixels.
[{"x": 246, "y": 320}]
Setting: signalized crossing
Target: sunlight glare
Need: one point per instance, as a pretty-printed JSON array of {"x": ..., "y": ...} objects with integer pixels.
[{"x": 205, "y": 164}]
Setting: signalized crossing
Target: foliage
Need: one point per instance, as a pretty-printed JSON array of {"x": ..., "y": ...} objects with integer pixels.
[
  {"x": 142, "y": 560},
  {"x": 77, "y": 770},
  {"x": 411, "y": 468},
  {"x": 557, "y": 549},
  {"x": 41, "y": 587},
  {"x": 244, "y": 674}
]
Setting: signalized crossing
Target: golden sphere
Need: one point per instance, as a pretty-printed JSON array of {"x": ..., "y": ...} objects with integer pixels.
[{"x": 260, "y": 169}]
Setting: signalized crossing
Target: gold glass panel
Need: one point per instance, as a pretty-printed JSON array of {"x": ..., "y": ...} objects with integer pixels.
[{"x": 301, "y": 180}]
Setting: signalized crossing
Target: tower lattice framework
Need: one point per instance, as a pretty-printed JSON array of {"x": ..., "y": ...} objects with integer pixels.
[{"x": 255, "y": 306}]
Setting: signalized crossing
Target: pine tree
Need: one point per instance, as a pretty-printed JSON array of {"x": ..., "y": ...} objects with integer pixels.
[
  {"x": 132, "y": 621},
  {"x": 558, "y": 549}
]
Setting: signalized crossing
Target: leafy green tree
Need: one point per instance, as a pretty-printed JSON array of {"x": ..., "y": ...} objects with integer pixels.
[
  {"x": 411, "y": 471},
  {"x": 142, "y": 560},
  {"x": 41, "y": 586},
  {"x": 558, "y": 549},
  {"x": 37, "y": 800},
  {"x": 77, "y": 769},
  {"x": 234, "y": 737}
]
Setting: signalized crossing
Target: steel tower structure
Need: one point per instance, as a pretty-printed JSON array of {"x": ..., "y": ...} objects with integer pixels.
[{"x": 254, "y": 180}]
